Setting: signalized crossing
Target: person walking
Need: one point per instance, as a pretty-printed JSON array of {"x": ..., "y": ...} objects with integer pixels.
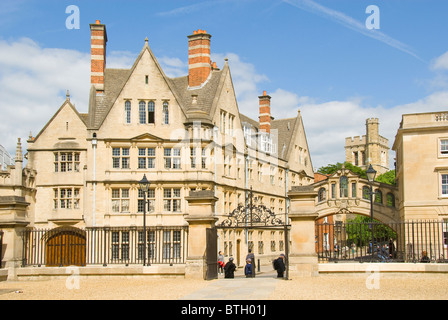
[
  {"x": 229, "y": 269},
  {"x": 220, "y": 262},
  {"x": 279, "y": 265},
  {"x": 250, "y": 256}
]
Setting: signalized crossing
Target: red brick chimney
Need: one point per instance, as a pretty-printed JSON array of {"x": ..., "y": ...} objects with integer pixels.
[
  {"x": 199, "y": 63},
  {"x": 265, "y": 112},
  {"x": 98, "y": 40}
]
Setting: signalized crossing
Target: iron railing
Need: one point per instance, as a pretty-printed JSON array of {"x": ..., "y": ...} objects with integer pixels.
[
  {"x": 104, "y": 246},
  {"x": 409, "y": 241}
]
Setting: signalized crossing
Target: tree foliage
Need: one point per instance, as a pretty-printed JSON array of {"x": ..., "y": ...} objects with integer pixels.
[
  {"x": 332, "y": 168},
  {"x": 388, "y": 177},
  {"x": 359, "y": 230}
]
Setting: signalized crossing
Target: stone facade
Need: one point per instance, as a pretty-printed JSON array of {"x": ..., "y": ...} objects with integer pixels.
[
  {"x": 185, "y": 134},
  {"x": 421, "y": 146}
]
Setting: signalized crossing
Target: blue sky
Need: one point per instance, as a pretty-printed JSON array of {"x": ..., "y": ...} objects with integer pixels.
[{"x": 313, "y": 55}]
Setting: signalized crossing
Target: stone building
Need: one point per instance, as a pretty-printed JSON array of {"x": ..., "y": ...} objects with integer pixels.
[
  {"x": 371, "y": 148},
  {"x": 185, "y": 134},
  {"x": 421, "y": 147}
]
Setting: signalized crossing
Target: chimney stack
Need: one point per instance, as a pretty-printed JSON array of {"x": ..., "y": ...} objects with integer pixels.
[
  {"x": 199, "y": 63},
  {"x": 98, "y": 40},
  {"x": 265, "y": 112}
]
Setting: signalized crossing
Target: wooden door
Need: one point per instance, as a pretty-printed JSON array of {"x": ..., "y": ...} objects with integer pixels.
[{"x": 66, "y": 247}]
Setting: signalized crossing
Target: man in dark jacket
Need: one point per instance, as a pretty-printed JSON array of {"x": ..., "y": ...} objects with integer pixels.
[
  {"x": 229, "y": 269},
  {"x": 279, "y": 265}
]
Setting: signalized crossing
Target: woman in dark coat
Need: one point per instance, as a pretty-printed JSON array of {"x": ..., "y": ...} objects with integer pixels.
[{"x": 229, "y": 269}]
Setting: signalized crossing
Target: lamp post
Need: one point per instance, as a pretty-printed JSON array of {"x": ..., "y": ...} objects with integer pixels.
[
  {"x": 144, "y": 187},
  {"x": 371, "y": 173}
]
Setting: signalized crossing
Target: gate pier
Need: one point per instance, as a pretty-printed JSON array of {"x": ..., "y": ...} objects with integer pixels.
[
  {"x": 202, "y": 236},
  {"x": 303, "y": 260}
]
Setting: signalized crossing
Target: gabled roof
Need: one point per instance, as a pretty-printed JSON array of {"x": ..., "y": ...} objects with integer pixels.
[
  {"x": 82, "y": 117},
  {"x": 114, "y": 82}
]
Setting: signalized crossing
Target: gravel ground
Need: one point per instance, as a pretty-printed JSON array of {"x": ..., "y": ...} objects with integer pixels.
[
  {"x": 348, "y": 287},
  {"x": 361, "y": 287}
]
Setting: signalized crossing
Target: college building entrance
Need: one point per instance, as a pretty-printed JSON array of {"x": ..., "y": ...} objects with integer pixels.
[{"x": 252, "y": 227}]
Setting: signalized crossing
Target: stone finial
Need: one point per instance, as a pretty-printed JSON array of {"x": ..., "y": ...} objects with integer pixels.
[{"x": 19, "y": 156}]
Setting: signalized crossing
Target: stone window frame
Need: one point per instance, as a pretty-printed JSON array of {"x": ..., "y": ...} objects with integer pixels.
[
  {"x": 148, "y": 157},
  {"x": 67, "y": 198},
  {"x": 121, "y": 159},
  {"x": 172, "y": 201},
  {"x": 120, "y": 200},
  {"x": 67, "y": 161},
  {"x": 127, "y": 112},
  {"x": 442, "y": 148}
]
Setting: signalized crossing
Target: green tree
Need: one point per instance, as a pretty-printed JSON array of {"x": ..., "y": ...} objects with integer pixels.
[
  {"x": 359, "y": 231},
  {"x": 332, "y": 168},
  {"x": 388, "y": 177}
]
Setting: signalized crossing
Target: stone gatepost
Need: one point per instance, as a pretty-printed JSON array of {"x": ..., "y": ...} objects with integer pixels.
[
  {"x": 13, "y": 221},
  {"x": 16, "y": 194},
  {"x": 302, "y": 214},
  {"x": 201, "y": 216}
]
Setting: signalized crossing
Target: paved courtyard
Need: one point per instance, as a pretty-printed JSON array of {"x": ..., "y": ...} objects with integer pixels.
[{"x": 264, "y": 287}]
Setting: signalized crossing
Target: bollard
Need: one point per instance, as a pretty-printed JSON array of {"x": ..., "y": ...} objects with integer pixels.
[{"x": 258, "y": 265}]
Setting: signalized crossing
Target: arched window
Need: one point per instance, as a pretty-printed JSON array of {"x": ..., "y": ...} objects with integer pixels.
[
  {"x": 142, "y": 112},
  {"x": 343, "y": 187},
  {"x": 378, "y": 197},
  {"x": 366, "y": 193},
  {"x": 390, "y": 200},
  {"x": 127, "y": 111},
  {"x": 322, "y": 196},
  {"x": 166, "y": 114},
  {"x": 151, "y": 112}
]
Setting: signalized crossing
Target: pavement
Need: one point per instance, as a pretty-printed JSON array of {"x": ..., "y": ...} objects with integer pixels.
[{"x": 239, "y": 288}]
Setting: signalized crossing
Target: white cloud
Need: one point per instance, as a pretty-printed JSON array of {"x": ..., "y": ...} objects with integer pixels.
[
  {"x": 440, "y": 63},
  {"x": 34, "y": 81},
  {"x": 245, "y": 81},
  {"x": 33, "y": 84}
]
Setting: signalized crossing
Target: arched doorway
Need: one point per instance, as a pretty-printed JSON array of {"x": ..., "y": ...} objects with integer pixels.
[{"x": 65, "y": 246}]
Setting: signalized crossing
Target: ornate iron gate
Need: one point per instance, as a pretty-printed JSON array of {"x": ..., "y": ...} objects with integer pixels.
[{"x": 254, "y": 216}]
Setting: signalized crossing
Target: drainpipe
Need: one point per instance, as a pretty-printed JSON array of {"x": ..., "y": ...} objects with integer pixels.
[{"x": 94, "y": 143}]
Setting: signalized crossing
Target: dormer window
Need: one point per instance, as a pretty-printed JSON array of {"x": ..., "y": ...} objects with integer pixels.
[
  {"x": 266, "y": 143},
  {"x": 247, "y": 135}
]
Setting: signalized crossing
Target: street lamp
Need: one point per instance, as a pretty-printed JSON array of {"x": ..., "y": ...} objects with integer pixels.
[
  {"x": 144, "y": 187},
  {"x": 371, "y": 173}
]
